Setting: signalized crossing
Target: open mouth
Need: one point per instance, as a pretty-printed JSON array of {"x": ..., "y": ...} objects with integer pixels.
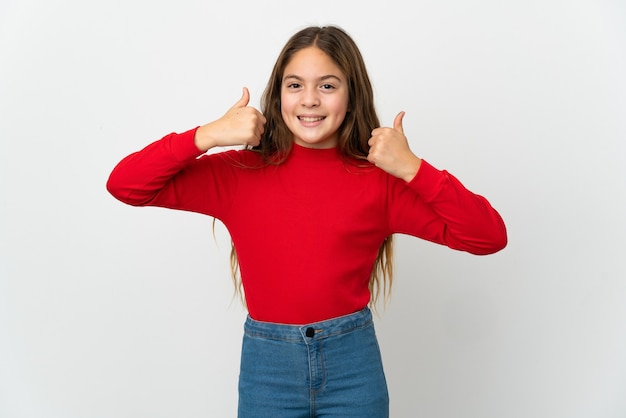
[{"x": 310, "y": 119}]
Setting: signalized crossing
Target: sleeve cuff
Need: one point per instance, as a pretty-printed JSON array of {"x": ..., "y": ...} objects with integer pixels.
[
  {"x": 183, "y": 147},
  {"x": 428, "y": 181}
]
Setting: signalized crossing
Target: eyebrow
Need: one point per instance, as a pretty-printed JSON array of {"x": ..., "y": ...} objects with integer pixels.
[{"x": 322, "y": 78}]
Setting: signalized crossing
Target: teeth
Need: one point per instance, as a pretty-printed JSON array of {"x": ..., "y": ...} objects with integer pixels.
[{"x": 309, "y": 119}]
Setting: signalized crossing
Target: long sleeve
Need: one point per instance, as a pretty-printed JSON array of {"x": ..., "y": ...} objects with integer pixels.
[
  {"x": 307, "y": 231},
  {"x": 435, "y": 206},
  {"x": 137, "y": 178},
  {"x": 168, "y": 173}
]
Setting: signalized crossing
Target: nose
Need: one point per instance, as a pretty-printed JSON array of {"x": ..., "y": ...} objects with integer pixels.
[{"x": 310, "y": 97}]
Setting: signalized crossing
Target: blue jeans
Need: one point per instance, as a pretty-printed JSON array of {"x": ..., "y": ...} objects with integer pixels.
[{"x": 331, "y": 368}]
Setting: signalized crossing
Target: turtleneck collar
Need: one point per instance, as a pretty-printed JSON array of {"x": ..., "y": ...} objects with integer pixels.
[{"x": 319, "y": 154}]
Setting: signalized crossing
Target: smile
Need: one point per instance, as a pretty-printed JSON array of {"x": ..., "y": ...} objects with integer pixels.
[{"x": 310, "y": 118}]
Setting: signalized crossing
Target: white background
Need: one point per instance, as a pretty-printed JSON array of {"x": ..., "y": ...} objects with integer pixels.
[{"x": 112, "y": 311}]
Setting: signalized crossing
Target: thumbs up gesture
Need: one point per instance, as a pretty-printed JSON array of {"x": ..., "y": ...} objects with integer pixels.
[
  {"x": 389, "y": 150},
  {"x": 240, "y": 125}
]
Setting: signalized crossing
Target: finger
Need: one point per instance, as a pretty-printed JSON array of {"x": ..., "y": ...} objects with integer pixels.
[
  {"x": 243, "y": 101},
  {"x": 260, "y": 122},
  {"x": 397, "y": 122},
  {"x": 373, "y": 157}
]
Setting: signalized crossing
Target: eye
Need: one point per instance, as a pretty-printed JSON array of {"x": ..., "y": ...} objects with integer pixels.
[
  {"x": 294, "y": 86},
  {"x": 327, "y": 87}
]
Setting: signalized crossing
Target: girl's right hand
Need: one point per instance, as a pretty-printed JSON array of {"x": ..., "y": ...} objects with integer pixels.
[{"x": 240, "y": 125}]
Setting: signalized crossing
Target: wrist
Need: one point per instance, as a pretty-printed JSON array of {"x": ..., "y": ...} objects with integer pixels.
[
  {"x": 412, "y": 169},
  {"x": 203, "y": 139}
]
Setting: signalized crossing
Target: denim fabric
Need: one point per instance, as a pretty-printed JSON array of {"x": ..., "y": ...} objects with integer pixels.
[{"x": 331, "y": 368}]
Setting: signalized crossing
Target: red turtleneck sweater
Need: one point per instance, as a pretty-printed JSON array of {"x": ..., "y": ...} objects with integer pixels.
[{"x": 306, "y": 231}]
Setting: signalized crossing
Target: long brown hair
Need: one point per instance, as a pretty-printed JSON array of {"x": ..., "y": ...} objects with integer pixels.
[{"x": 354, "y": 132}]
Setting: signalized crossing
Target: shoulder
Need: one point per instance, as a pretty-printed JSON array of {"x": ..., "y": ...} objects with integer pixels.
[
  {"x": 238, "y": 158},
  {"x": 367, "y": 170}
]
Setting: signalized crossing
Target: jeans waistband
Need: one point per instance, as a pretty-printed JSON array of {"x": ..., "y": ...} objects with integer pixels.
[{"x": 308, "y": 332}]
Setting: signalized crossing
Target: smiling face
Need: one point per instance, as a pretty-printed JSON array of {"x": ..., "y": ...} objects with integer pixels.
[{"x": 314, "y": 98}]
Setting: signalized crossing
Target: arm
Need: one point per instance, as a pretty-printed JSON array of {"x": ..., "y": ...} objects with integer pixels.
[
  {"x": 437, "y": 207},
  {"x": 138, "y": 178},
  {"x": 430, "y": 203},
  {"x": 168, "y": 172}
]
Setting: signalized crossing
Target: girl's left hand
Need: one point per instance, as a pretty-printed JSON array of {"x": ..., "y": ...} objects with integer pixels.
[{"x": 389, "y": 150}]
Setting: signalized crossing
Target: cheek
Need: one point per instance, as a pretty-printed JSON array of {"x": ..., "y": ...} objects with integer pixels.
[
  {"x": 342, "y": 109},
  {"x": 341, "y": 106},
  {"x": 284, "y": 108},
  {"x": 285, "y": 105}
]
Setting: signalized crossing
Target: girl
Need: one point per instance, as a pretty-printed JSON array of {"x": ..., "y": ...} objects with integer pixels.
[{"x": 311, "y": 204}]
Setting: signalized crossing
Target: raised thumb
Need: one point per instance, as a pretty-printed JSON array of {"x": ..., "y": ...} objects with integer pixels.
[
  {"x": 243, "y": 101},
  {"x": 397, "y": 122}
]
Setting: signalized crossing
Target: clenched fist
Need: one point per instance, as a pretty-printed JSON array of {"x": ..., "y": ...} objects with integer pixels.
[
  {"x": 389, "y": 150},
  {"x": 240, "y": 125}
]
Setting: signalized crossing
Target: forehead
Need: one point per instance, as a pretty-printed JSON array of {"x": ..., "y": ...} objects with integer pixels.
[{"x": 312, "y": 62}]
